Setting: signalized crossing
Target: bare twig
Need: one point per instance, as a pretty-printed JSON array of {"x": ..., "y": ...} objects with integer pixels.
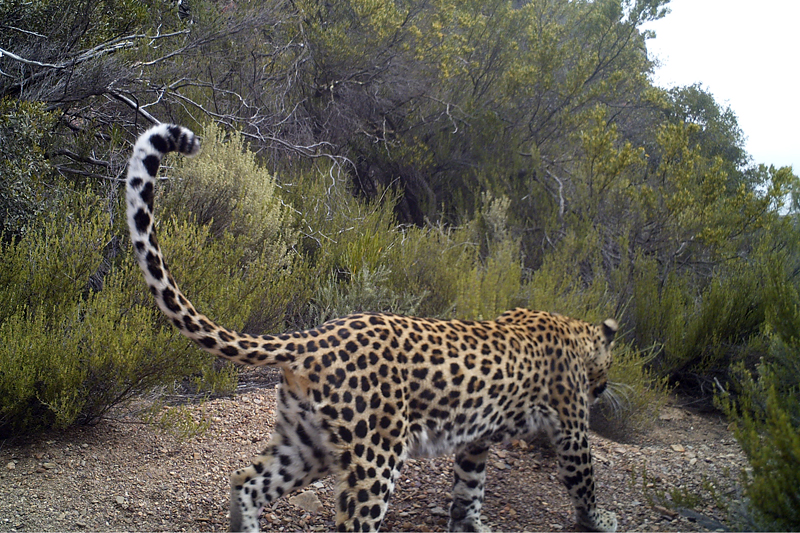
[
  {"x": 83, "y": 159},
  {"x": 135, "y": 106},
  {"x": 560, "y": 192},
  {"x": 31, "y": 62}
]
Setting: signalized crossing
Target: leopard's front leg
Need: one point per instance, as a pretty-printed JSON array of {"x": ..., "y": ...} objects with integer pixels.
[
  {"x": 576, "y": 472},
  {"x": 470, "y": 476}
]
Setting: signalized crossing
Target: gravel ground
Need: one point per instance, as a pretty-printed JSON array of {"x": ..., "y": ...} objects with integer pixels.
[{"x": 125, "y": 476}]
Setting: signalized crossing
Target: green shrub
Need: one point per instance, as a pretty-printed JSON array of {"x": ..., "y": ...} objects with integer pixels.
[
  {"x": 371, "y": 264},
  {"x": 69, "y": 353},
  {"x": 702, "y": 330},
  {"x": 767, "y": 426},
  {"x": 226, "y": 188},
  {"x": 48, "y": 267},
  {"x": 341, "y": 233},
  {"x": 347, "y": 244},
  {"x": 765, "y": 412},
  {"x": 367, "y": 290},
  {"x": 24, "y": 128},
  {"x": 492, "y": 284},
  {"x": 430, "y": 262},
  {"x": 376, "y": 266}
]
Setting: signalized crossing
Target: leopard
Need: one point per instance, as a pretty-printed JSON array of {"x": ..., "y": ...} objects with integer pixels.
[{"x": 361, "y": 395}]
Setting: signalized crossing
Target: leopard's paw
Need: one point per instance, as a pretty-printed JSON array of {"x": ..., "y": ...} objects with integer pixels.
[
  {"x": 599, "y": 521},
  {"x": 467, "y": 524}
]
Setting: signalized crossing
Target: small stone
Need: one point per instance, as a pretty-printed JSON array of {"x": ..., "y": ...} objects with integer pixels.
[
  {"x": 120, "y": 500},
  {"x": 677, "y": 448},
  {"x": 307, "y": 501},
  {"x": 49, "y": 466},
  {"x": 11, "y": 465}
]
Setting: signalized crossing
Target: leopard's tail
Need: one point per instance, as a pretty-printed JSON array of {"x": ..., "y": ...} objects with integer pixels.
[{"x": 142, "y": 169}]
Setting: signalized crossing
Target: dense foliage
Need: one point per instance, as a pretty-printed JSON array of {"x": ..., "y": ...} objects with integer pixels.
[{"x": 443, "y": 158}]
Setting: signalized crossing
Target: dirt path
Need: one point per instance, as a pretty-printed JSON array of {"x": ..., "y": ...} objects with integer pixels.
[{"x": 123, "y": 476}]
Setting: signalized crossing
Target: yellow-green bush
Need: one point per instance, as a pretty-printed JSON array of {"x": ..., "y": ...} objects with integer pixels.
[
  {"x": 571, "y": 281},
  {"x": 226, "y": 188},
  {"x": 367, "y": 290},
  {"x": 339, "y": 232},
  {"x": 347, "y": 244},
  {"x": 369, "y": 263},
  {"x": 71, "y": 352},
  {"x": 492, "y": 284}
]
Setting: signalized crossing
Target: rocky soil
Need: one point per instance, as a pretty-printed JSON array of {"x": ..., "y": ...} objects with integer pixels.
[{"x": 126, "y": 476}]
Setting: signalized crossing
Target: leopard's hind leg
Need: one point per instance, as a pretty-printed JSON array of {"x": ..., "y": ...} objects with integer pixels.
[
  {"x": 293, "y": 459},
  {"x": 365, "y": 482}
]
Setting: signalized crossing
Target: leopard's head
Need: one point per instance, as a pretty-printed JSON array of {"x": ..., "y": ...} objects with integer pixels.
[{"x": 599, "y": 358}]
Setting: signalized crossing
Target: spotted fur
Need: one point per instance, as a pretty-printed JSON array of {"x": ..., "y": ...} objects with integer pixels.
[{"x": 362, "y": 394}]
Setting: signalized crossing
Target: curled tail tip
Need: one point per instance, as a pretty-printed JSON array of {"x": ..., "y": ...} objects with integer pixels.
[
  {"x": 165, "y": 138},
  {"x": 187, "y": 142}
]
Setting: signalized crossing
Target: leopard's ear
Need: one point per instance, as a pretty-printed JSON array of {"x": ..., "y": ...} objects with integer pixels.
[{"x": 610, "y": 328}]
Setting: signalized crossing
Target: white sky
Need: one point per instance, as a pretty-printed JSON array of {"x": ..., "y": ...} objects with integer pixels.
[{"x": 745, "y": 53}]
